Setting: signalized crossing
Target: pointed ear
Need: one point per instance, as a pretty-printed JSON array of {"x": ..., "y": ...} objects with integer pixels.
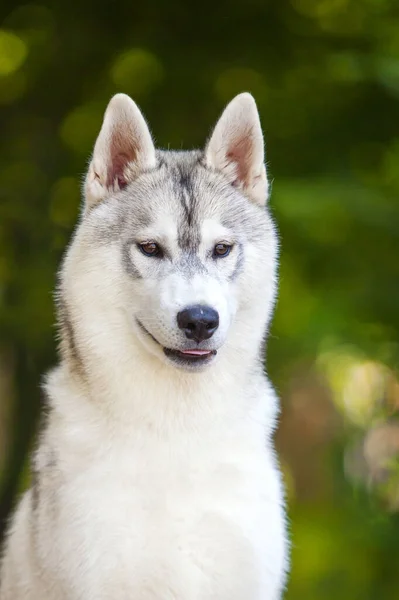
[
  {"x": 123, "y": 148},
  {"x": 236, "y": 148}
]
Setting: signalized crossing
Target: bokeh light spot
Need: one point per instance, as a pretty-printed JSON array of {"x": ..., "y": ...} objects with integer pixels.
[
  {"x": 136, "y": 71},
  {"x": 13, "y": 52},
  {"x": 80, "y": 128},
  {"x": 358, "y": 384},
  {"x": 32, "y": 22}
]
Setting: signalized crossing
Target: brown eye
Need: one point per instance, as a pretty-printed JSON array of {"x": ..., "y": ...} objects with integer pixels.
[
  {"x": 221, "y": 250},
  {"x": 150, "y": 249}
]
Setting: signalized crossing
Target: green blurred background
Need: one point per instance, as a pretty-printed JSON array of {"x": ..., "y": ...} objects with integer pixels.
[{"x": 325, "y": 74}]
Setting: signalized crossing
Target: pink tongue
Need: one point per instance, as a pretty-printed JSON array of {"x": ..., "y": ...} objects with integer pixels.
[{"x": 196, "y": 352}]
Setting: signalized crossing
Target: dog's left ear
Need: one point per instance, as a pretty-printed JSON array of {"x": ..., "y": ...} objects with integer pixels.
[
  {"x": 236, "y": 148},
  {"x": 123, "y": 149}
]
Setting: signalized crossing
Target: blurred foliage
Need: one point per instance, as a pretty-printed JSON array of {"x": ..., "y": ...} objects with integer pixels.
[{"x": 325, "y": 74}]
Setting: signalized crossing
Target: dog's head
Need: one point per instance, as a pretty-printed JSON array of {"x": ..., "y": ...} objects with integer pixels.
[{"x": 174, "y": 249}]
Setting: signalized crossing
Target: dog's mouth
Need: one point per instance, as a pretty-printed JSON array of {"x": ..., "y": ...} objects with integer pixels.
[
  {"x": 184, "y": 358},
  {"x": 190, "y": 357}
]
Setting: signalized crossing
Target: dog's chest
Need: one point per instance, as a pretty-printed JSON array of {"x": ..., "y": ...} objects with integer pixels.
[{"x": 191, "y": 520}]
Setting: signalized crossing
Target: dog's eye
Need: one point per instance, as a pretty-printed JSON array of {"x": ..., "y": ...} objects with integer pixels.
[
  {"x": 150, "y": 249},
  {"x": 221, "y": 250}
]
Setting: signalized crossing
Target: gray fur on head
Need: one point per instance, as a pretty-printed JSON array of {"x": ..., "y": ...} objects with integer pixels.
[{"x": 186, "y": 203}]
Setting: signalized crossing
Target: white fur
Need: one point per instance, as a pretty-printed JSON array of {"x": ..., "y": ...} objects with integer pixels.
[{"x": 156, "y": 483}]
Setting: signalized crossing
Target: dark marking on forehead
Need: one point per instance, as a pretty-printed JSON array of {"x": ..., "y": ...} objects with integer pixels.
[
  {"x": 127, "y": 261},
  {"x": 186, "y": 201},
  {"x": 188, "y": 231}
]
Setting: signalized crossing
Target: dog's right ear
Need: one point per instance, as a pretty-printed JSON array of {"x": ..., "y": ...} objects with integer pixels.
[{"x": 123, "y": 149}]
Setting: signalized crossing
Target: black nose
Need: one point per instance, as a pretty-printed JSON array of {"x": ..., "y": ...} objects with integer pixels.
[{"x": 198, "y": 322}]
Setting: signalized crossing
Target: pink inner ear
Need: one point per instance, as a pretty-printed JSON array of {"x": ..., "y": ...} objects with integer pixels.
[
  {"x": 241, "y": 156},
  {"x": 119, "y": 160},
  {"x": 116, "y": 170}
]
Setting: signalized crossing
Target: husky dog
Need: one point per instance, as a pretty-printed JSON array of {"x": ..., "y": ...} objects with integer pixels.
[{"x": 156, "y": 477}]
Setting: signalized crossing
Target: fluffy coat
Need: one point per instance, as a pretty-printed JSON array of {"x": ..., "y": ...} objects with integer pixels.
[{"x": 155, "y": 476}]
